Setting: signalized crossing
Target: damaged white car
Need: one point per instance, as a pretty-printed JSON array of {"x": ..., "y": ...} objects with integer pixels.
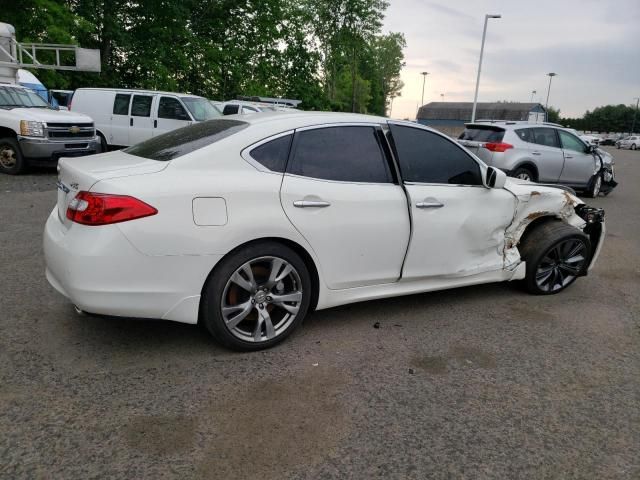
[{"x": 246, "y": 224}]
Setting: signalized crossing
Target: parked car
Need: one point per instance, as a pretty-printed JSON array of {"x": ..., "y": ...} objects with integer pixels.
[
  {"x": 544, "y": 153},
  {"x": 235, "y": 107},
  {"x": 632, "y": 142},
  {"x": 33, "y": 132},
  {"x": 248, "y": 223},
  {"x": 126, "y": 117}
]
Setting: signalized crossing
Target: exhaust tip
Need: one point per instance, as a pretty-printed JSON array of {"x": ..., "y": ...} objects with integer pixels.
[{"x": 78, "y": 310}]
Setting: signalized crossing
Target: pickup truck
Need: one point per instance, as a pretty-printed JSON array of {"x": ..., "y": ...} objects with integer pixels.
[{"x": 32, "y": 132}]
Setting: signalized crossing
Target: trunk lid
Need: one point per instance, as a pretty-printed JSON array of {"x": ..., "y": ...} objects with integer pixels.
[{"x": 82, "y": 173}]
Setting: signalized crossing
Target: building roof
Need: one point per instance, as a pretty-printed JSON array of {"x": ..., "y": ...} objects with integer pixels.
[{"x": 484, "y": 110}]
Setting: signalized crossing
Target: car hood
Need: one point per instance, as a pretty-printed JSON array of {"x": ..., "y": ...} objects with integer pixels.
[
  {"x": 525, "y": 191},
  {"x": 51, "y": 116}
]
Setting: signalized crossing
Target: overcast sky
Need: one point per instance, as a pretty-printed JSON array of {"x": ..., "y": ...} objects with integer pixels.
[{"x": 593, "y": 46}]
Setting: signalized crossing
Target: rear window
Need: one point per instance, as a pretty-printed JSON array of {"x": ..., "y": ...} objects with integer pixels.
[
  {"x": 177, "y": 143},
  {"x": 482, "y": 134}
]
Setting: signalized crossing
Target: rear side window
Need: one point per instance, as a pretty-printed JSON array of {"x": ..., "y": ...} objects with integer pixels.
[
  {"x": 482, "y": 134},
  {"x": 177, "y": 143},
  {"x": 141, "y": 106},
  {"x": 121, "y": 104},
  {"x": 426, "y": 157},
  {"x": 346, "y": 154},
  {"x": 230, "y": 109},
  {"x": 525, "y": 134},
  {"x": 546, "y": 137},
  {"x": 273, "y": 155}
]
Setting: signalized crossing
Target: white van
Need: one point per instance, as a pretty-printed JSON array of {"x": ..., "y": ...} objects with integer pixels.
[{"x": 125, "y": 117}]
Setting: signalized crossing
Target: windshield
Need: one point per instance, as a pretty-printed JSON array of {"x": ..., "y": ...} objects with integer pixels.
[
  {"x": 21, "y": 97},
  {"x": 200, "y": 108}
]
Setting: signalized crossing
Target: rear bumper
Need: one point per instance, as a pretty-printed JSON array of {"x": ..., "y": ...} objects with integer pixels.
[
  {"x": 100, "y": 272},
  {"x": 46, "y": 149}
]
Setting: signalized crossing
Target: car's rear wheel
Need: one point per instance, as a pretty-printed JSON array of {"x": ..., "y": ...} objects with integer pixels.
[
  {"x": 556, "y": 255},
  {"x": 256, "y": 296},
  {"x": 633, "y": 146},
  {"x": 11, "y": 159},
  {"x": 523, "y": 173}
]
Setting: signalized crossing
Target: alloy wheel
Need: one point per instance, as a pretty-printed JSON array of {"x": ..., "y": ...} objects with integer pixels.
[
  {"x": 261, "y": 299},
  {"x": 524, "y": 176},
  {"x": 561, "y": 265},
  {"x": 8, "y": 157},
  {"x": 597, "y": 184}
]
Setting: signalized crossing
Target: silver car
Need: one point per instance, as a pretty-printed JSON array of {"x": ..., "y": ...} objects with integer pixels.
[
  {"x": 541, "y": 152},
  {"x": 632, "y": 142}
]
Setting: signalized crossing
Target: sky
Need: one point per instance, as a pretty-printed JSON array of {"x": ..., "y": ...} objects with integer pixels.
[{"x": 592, "y": 45}]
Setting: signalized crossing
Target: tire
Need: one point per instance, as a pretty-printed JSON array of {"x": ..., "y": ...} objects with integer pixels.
[
  {"x": 556, "y": 255},
  {"x": 12, "y": 161},
  {"x": 595, "y": 186},
  {"x": 523, "y": 173},
  {"x": 104, "y": 147},
  {"x": 633, "y": 146},
  {"x": 618, "y": 146},
  {"x": 245, "y": 315}
]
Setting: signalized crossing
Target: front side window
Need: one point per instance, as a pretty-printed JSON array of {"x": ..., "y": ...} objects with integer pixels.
[
  {"x": 571, "y": 142},
  {"x": 273, "y": 155},
  {"x": 427, "y": 157},
  {"x": 200, "y": 108},
  {"x": 171, "y": 109},
  {"x": 121, "y": 104},
  {"x": 546, "y": 137},
  {"x": 347, "y": 154},
  {"x": 141, "y": 106}
]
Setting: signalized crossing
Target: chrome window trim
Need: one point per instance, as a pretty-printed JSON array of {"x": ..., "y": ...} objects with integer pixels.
[
  {"x": 245, "y": 153},
  {"x": 339, "y": 181}
]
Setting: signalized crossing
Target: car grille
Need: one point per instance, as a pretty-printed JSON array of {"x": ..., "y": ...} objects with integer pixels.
[{"x": 70, "y": 131}]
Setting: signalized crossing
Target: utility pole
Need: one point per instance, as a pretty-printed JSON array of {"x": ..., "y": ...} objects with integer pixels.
[
  {"x": 546, "y": 105},
  {"x": 484, "y": 35},
  {"x": 633, "y": 125}
]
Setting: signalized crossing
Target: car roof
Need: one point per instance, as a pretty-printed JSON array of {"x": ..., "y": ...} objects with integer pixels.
[
  {"x": 301, "y": 118},
  {"x": 139, "y": 90}
]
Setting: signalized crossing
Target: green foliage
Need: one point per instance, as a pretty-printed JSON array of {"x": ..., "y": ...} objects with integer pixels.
[
  {"x": 606, "y": 119},
  {"x": 553, "y": 115},
  {"x": 329, "y": 53}
]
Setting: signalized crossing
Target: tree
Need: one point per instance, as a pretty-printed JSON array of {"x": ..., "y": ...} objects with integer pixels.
[{"x": 553, "y": 115}]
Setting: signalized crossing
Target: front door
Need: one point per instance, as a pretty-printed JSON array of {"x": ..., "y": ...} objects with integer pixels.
[
  {"x": 339, "y": 193},
  {"x": 578, "y": 164},
  {"x": 458, "y": 224},
  {"x": 120, "y": 120},
  {"x": 171, "y": 115},
  {"x": 140, "y": 121}
]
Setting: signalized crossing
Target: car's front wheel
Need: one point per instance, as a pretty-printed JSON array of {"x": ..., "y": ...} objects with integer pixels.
[
  {"x": 633, "y": 146},
  {"x": 596, "y": 185},
  {"x": 256, "y": 296},
  {"x": 556, "y": 255},
  {"x": 11, "y": 159}
]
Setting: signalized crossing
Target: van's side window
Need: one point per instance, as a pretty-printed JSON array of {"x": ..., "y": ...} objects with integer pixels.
[
  {"x": 141, "y": 106},
  {"x": 121, "y": 104},
  {"x": 172, "y": 109}
]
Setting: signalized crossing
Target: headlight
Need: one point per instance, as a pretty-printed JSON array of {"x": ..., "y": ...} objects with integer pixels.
[{"x": 31, "y": 129}]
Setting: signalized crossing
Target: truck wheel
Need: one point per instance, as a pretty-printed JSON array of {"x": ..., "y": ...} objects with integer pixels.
[
  {"x": 556, "y": 255},
  {"x": 11, "y": 159},
  {"x": 104, "y": 147}
]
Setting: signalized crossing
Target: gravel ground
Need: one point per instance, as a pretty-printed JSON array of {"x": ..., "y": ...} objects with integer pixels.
[{"x": 479, "y": 382}]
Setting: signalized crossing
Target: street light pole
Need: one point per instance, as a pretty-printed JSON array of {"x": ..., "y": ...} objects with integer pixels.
[
  {"x": 633, "y": 125},
  {"x": 424, "y": 79},
  {"x": 546, "y": 105},
  {"x": 484, "y": 35},
  {"x": 533, "y": 92},
  {"x": 442, "y": 97}
]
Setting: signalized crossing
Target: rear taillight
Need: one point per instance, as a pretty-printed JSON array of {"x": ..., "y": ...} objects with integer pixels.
[
  {"x": 104, "y": 208},
  {"x": 497, "y": 147}
]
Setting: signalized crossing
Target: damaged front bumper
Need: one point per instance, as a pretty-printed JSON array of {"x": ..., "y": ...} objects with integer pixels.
[{"x": 594, "y": 228}]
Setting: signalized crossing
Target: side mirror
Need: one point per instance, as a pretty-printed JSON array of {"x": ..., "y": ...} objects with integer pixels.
[
  {"x": 495, "y": 178},
  {"x": 591, "y": 149}
]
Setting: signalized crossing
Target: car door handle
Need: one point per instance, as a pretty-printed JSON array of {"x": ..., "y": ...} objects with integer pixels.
[
  {"x": 429, "y": 205},
  {"x": 131, "y": 122},
  {"x": 568, "y": 156},
  {"x": 155, "y": 124},
  {"x": 311, "y": 204},
  {"x": 536, "y": 153}
]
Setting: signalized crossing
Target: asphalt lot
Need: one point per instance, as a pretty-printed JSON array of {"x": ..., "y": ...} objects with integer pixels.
[{"x": 479, "y": 382}]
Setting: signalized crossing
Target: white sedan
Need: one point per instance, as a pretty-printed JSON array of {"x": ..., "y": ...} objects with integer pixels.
[{"x": 248, "y": 223}]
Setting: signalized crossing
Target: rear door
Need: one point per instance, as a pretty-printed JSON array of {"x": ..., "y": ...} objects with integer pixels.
[
  {"x": 475, "y": 138},
  {"x": 140, "y": 121},
  {"x": 171, "y": 115},
  {"x": 546, "y": 153},
  {"x": 579, "y": 165},
  {"x": 339, "y": 193},
  {"x": 120, "y": 120}
]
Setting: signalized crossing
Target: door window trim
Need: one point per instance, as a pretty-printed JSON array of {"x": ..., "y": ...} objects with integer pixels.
[
  {"x": 184, "y": 107},
  {"x": 481, "y": 165}
]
